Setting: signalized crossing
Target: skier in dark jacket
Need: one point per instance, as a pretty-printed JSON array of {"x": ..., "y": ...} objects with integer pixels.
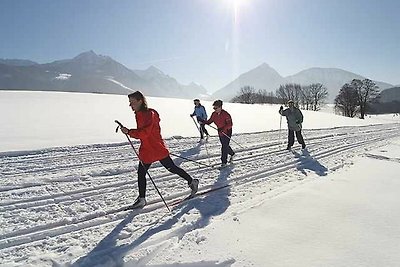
[
  {"x": 223, "y": 120},
  {"x": 201, "y": 115},
  {"x": 152, "y": 146},
  {"x": 294, "y": 119}
]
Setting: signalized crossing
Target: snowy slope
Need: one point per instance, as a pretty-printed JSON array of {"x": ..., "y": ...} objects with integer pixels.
[
  {"x": 66, "y": 204},
  {"x": 63, "y": 206},
  {"x": 36, "y": 120}
]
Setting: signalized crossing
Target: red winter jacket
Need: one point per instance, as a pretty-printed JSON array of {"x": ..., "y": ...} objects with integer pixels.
[
  {"x": 223, "y": 121},
  {"x": 152, "y": 146}
]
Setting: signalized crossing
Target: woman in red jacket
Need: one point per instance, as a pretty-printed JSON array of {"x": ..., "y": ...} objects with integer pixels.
[
  {"x": 223, "y": 120},
  {"x": 152, "y": 146}
]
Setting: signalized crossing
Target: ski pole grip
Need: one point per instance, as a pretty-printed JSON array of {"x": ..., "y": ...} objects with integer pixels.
[{"x": 119, "y": 124}]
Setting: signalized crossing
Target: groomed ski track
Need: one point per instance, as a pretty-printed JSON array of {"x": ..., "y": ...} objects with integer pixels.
[{"x": 51, "y": 196}]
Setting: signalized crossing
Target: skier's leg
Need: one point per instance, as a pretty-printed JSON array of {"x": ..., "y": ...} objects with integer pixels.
[
  {"x": 299, "y": 137},
  {"x": 171, "y": 167},
  {"x": 290, "y": 138},
  {"x": 142, "y": 169},
  {"x": 224, "y": 149},
  {"x": 203, "y": 128},
  {"x": 230, "y": 150}
]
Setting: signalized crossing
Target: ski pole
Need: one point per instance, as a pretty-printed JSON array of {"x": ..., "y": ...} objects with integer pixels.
[
  {"x": 208, "y": 155},
  {"x": 280, "y": 127},
  {"x": 191, "y": 160},
  {"x": 230, "y": 138},
  {"x": 196, "y": 124},
  {"x": 202, "y": 134},
  {"x": 141, "y": 162}
]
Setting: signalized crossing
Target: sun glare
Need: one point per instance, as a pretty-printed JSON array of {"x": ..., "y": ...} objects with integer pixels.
[{"x": 237, "y": 5}]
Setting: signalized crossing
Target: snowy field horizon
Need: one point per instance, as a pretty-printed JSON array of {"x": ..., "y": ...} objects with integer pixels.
[
  {"x": 67, "y": 177},
  {"x": 38, "y": 120}
]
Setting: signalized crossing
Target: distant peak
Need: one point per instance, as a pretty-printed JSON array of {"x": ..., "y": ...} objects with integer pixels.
[
  {"x": 90, "y": 52},
  {"x": 87, "y": 54},
  {"x": 264, "y": 68},
  {"x": 153, "y": 69},
  {"x": 264, "y": 65},
  {"x": 196, "y": 84}
]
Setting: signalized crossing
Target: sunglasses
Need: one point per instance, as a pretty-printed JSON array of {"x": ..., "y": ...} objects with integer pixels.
[{"x": 215, "y": 107}]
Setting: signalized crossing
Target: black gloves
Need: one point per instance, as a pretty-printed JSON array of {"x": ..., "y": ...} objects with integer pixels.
[
  {"x": 220, "y": 129},
  {"x": 298, "y": 121},
  {"x": 281, "y": 108}
]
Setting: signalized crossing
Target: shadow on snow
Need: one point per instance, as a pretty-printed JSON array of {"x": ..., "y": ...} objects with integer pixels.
[
  {"x": 216, "y": 203},
  {"x": 307, "y": 162}
]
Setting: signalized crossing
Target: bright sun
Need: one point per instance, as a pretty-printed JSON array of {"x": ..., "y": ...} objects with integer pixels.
[{"x": 237, "y": 5}]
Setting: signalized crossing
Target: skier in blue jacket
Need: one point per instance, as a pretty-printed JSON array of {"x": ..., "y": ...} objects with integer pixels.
[{"x": 201, "y": 115}]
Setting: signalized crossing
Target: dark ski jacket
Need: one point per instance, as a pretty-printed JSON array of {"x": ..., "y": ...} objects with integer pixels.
[{"x": 294, "y": 118}]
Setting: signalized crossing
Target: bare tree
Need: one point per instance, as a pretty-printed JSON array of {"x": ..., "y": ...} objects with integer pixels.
[
  {"x": 290, "y": 91},
  {"x": 246, "y": 95},
  {"x": 367, "y": 91},
  {"x": 306, "y": 97},
  {"x": 318, "y": 93},
  {"x": 346, "y": 101}
]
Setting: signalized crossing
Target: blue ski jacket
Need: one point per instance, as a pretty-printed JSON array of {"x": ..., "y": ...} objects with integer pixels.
[{"x": 200, "y": 113}]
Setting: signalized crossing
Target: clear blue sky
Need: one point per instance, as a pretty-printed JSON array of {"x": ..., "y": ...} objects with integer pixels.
[{"x": 199, "y": 40}]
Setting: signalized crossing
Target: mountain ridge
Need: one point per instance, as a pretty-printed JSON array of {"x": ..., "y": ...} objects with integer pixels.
[
  {"x": 95, "y": 73},
  {"x": 269, "y": 79},
  {"x": 90, "y": 72}
]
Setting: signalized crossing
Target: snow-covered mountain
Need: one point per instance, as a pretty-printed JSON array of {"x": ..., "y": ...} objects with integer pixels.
[
  {"x": 168, "y": 85},
  {"x": 390, "y": 94},
  {"x": 90, "y": 72},
  {"x": 265, "y": 77},
  {"x": 17, "y": 62},
  {"x": 262, "y": 77}
]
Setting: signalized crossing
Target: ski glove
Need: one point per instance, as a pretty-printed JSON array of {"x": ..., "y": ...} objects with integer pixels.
[
  {"x": 298, "y": 122},
  {"x": 124, "y": 130},
  {"x": 220, "y": 129}
]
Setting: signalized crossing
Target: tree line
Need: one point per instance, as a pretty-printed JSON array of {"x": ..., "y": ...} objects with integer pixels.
[
  {"x": 355, "y": 97},
  {"x": 311, "y": 97}
]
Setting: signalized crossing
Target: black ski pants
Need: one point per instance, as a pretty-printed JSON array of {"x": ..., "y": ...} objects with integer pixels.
[
  {"x": 168, "y": 164},
  {"x": 203, "y": 130},
  {"x": 226, "y": 148},
  {"x": 299, "y": 137}
]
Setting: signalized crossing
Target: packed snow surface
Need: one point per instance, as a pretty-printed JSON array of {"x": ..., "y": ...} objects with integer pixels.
[{"x": 62, "y": 200}]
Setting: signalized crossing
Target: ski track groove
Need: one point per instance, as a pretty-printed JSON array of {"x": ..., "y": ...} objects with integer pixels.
[
  {"x": 269, "y": 152},
  {"x": 64, "y": 196}
]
